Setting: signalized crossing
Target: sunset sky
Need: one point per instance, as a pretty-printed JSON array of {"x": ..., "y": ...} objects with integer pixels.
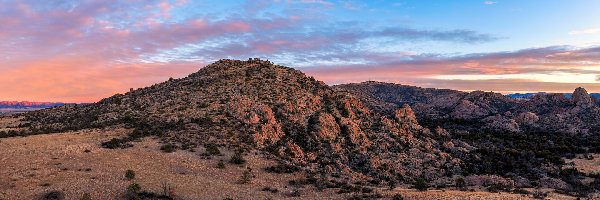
[{"x": 82, "y": 51}]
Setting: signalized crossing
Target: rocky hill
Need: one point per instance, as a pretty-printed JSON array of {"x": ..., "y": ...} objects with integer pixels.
[{"x": 276, "y": 109}]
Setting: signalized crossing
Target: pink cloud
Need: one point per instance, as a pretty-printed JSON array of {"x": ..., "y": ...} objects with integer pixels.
[{"x": 97, "y": 48}]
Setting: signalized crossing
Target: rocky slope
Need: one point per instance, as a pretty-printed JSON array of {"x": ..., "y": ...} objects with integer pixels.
[
  {"x": 544, "y": 112},
  {"x": 524, "y": 140},
  {"x": 256, "y": 104}
]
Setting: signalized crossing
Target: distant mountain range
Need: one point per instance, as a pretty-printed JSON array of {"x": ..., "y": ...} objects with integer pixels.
[
  {"x": 529, "y": 95},
  {"x": 28, "y": 104}
]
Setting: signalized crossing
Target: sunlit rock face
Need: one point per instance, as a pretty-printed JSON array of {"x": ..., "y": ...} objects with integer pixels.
[{"x": 582, "y": 98}]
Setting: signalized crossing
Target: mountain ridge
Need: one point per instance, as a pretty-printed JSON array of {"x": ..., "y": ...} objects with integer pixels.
[{"x": 29, "y": 104}]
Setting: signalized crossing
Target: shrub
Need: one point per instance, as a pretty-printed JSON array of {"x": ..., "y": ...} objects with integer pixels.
[
  {"x": 129, "y": 174},
  {"x": 134, "y": 187},
  {"x": 53, "y": 195},
  {"x": 520, "y": 191},
  {"x": 168, "y": 148},
  {"x": 116, "y": 143},
  {"x": 282, "y": 168},
  {"x": 397, "y": 197},
  {"x": 221, "y": 164},
  {"x": 246, "y": 176},
  {"x": 270, "y": 189},
  {"x": 237, "y": 158},
  {"x": 212, "y": 149},
  {"x": 421, "y": 184}
]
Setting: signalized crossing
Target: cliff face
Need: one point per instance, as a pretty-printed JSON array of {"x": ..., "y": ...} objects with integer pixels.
[{"x": 273, "y": 108}]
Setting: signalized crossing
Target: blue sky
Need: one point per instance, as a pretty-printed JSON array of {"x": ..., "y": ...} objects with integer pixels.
[{"x": 82, "y": 51}]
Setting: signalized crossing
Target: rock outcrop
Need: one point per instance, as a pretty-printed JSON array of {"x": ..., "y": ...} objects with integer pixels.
[{"x": 582, "y": 98}]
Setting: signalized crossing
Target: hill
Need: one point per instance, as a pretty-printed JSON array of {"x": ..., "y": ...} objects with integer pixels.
[{"x": 256, "y": 104}]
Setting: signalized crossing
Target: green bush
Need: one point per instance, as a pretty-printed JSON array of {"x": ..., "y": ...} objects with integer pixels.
[
  {"x": 129, "y": 174},
  {"x": 212, "y": 149},
  {"x": 237, "y": 158},
  {"x": 221, "y": 164}
]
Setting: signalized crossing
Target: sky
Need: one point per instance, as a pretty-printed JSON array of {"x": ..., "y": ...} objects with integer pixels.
[{"x": 83, "y": 51}]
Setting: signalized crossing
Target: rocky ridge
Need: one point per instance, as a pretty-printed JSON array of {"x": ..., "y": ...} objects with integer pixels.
[{"x": 545, "y": 112}]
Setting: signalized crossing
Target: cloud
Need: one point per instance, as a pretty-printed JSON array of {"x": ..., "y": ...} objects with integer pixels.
[
  {"x": 490, "y": 2},
  {"x": 585, "y": 31},
  {"x": 459, "y": 36},
  {"x": 542, "y": 68},
  {"x": 83, "y": 51}
]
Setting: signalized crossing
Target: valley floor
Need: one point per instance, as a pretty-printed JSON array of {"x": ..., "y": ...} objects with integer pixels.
[{"x": 74, "y": 163}]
